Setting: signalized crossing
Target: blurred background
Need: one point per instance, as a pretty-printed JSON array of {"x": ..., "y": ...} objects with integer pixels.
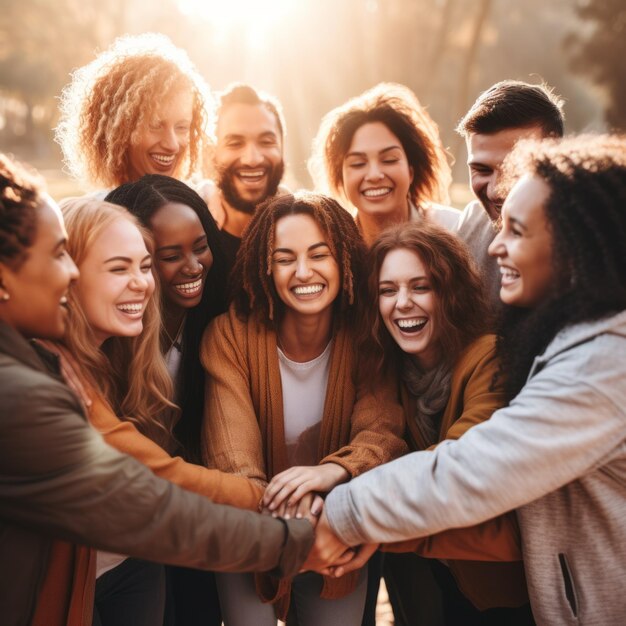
[{"x": 315, "y": 54}]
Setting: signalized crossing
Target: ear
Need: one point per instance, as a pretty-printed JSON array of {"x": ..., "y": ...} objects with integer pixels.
[
  {"x": 4, "y": 278},
  {"x": 411, "y": 173}
]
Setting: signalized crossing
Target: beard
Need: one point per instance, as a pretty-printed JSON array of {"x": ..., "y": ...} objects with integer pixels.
[{"x": 226, "y": 184}]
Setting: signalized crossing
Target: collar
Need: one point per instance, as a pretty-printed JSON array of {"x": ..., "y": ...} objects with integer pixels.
[{"x": 27, "y": 352}]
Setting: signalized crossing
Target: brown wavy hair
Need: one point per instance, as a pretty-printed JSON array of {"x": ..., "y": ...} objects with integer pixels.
[
  {"x": 129, "y": 372},
  {"x": 252, "y": 274},
  {"x": 461, "y": 309},
  {"x": 115, "y": 95},
  {"x": 398, "y": 108}
]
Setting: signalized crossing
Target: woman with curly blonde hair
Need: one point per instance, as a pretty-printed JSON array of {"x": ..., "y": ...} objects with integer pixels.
[
  {"x": 138, "y": 108},
  {"x": 381, "y": 152}
]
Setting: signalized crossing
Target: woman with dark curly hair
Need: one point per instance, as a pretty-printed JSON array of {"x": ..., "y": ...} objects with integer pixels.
[
  {"x": 557, "y": 451},
  {"x": 285, "y": 404},
  {"x": 138, "y": 108},
  {"x": 382, "y": 153},
  {"x": 427, "y": 323}
]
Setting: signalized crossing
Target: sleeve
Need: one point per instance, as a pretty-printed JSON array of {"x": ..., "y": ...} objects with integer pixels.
[
  {"x": 376, "y": 430},
  {"x": 565, "y": 422},
  {"x": 231, "y": 436},
  {"x": 219, "y": 487},
  {"x": 59, "y": 477}
]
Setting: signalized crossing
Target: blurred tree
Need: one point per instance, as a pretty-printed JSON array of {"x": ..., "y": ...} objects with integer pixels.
[{"x": 601, "y": 54}]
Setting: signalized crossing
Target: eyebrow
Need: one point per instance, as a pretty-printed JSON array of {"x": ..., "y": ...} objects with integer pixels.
[
  {"x": 62, "y": 242},
  {"x": 313, "y": 247},
  {"x": 264, "y": 134},
  {"x": 411, "y": 280},
  {"x": 125, "y": 259},
  {"x": 387, "y": 149},
  {"x": 179, "y": 247},
  {"x": 520, "y": 224}
]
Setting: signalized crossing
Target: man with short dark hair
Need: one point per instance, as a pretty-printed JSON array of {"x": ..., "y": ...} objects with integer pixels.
[
  {"x": 248, "y": 159},
  {"x": 502, "y": 115}
]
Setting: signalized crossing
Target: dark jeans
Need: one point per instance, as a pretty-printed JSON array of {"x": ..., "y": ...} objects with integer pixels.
[
  {"x": 459, "y": 611},
  {"x": 192, "y": 598},
  {"x": 131, "y": 594}
]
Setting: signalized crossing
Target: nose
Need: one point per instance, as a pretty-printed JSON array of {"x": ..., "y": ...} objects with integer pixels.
[
  {"x": 303, "y": 270},
  {"x": 139, "y": 281},
  {"x": 192, "y": 265},
  {"x": 72, "y": 269},
  {"x": 251, "y": 155},
  {"x": 169, "y": 140},
  {"x": 403, "y": 301},
  {"x": 492, "y": 188},
  {"x": 496, "y": 247},
  {"x": 373, "y": 171}
]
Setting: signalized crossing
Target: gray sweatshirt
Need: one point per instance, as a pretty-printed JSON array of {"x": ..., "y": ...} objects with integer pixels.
[{"x": 557, "y": 453}]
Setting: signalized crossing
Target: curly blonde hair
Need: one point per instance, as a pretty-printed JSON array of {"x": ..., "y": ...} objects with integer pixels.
[
  {"x": 129, "y": 372},
  {"x": 115, "y": 95},
  {"x": 398, "y": 108}
]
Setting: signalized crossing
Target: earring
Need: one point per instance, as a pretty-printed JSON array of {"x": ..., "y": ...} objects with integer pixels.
[{"x": 5, "y": 296}]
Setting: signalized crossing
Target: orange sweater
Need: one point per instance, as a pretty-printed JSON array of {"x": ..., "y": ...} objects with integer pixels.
[
  {"x": 244, "y": 423},
  {"x": 486, "y": 559},
  {"x": 66, "y": 596}
]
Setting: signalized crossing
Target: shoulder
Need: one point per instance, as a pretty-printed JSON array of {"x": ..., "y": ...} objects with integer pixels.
[
  {"x": 443, "y": 215},
  {"x": 481, "y": 350}
]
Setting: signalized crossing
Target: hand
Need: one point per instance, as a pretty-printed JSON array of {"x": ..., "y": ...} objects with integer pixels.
[
  {"x": 327, "y": 551},
  {"x": 293, "y": 483},
  {"x": 309, "y": 507},
  {"x": 361, "y": 557}
]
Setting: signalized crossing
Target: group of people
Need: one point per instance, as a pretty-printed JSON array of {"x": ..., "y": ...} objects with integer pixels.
[{"x": 283, "y": 396}]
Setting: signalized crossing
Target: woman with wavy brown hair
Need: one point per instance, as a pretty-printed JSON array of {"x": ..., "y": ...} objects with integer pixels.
[
  {"x": 381, "y": 151},
  {"x": 140, "y": 107}
]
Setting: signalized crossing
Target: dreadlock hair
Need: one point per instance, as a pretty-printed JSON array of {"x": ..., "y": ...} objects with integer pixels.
[
  {"x": 115, "y": 96},
  {"x": 255, "y": 292},
  {"x": 586, "y": 215},
  {"x": 129, "y": 372},
  {"x": 514, "y": 104},
  {"x": 398, "y": 108},
  {"x": 20, "y": 193},
  {"x": 461, "y": 311},
  {"x": 143, "y": 199}
]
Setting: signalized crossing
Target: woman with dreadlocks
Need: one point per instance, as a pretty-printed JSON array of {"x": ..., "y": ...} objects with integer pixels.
[
  {"x": 557, "y": 451},
  {"x": 284, "y": 404}
]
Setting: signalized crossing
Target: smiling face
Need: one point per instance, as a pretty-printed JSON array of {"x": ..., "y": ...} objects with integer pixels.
[
  {"x": 376, "y": 174},
  {"x": 182, "y": 256},
  {"x": 305, "y": 273},
  {"x": 116, "y": 281},
  {"x": 37, "y": 289},
  {"x": 523, "y": 247},
  {"x": 407, "y": 303},
  {"x": 485, "y": 155},
  {"x": 160, "y": 146},
  {"x": 248, "y": 155}
]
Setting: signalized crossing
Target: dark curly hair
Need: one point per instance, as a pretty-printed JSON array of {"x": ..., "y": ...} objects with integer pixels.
[
  {"x": 586, "y": 214},
  {"x": 254, "y": 288},
  {"x": 143, "y": 199},
  {"x": 19, "y": 199},
  {"x": 461, "y": 309}
]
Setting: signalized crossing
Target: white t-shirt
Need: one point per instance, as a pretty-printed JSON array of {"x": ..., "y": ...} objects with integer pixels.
[{"x": 304, "y": 393}]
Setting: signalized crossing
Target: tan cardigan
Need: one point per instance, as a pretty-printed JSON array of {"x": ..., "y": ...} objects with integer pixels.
[
  {"x": 243, "y": 429},
  {"x": 486, "y": 559}
]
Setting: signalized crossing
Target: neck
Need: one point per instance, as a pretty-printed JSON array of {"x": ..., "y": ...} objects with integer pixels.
[
  {"x": 371, "y": 225},
  {"x": 235, "y": 221},
  {"x": 303, "y": 338},
  {"x": 172, "y": 320}
]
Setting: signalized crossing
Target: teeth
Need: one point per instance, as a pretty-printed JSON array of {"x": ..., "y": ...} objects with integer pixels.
[
  {"x": 189, "y": 287},
  {"x": 379, "y": 191},
  {"x": 131, "y": 308},
  {"x": 411, "y": 323},
  {"x": 251, "y": 173},
  {"x": 309, "y": 289},
  {"x": 508, "y": 273},
  {"x": 165, "y": 160}
]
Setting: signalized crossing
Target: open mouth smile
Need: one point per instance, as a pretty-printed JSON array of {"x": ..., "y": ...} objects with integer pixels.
[
  {"x": 132, "y": 309},
  {"x": 308, "y": 290},
  {"x": 411, "y": 325},
  {"x": 508, "y": 275},
  {"x": 165, "y": 161},
  {"x": 189, "y": 289},
  {"x": 252, "y": 176},
  {"x": 377, "y": 192}
]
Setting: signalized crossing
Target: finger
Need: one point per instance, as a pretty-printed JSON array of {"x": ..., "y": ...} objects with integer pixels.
[
  {"x": 300, "y": 491},
  {"x": 318, "y": 505},
  {"x": 361, "y": 557}
]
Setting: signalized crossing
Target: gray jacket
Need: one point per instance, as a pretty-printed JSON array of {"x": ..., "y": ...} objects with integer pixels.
[
  {"x": 557, "y": 453},
  {"x": 59, "y": 479}
]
